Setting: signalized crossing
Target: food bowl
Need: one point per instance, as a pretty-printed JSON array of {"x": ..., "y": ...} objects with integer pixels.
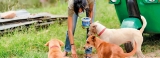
[{"x": 86, "y": 22}]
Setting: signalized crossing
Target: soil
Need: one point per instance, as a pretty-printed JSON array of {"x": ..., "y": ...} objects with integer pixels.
[{"x": 148, "y": 55}]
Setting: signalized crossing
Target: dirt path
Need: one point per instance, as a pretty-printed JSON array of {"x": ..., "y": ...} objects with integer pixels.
[
  {"x": 148, "y": 55},
  {"x": 153, "y": 54}
]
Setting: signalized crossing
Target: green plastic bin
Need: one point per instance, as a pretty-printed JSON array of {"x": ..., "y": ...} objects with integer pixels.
[{"x": 150, "y": 9}]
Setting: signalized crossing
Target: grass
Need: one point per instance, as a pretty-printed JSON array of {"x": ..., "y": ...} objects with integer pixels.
[
  {"x": 18, "y": 4},
  {"x": 29, "y": 43}
]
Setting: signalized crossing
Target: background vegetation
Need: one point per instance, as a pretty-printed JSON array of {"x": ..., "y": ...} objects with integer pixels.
[
  {"x": 23, "y": 4},
  {"x": 29, "y": 43}
]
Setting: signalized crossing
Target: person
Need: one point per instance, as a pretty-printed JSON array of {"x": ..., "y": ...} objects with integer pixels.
[{"x": 74, "y": 8}]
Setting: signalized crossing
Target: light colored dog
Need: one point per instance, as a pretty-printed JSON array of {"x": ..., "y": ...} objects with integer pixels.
[
  {"x": 107, "y": 50},
  {"x": 55, "y": 48},
  {"x": 119, "y": 36},
  {"x": 8, "y": 15}
]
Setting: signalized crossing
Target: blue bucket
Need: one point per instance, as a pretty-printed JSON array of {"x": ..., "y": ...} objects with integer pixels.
[{"x": 86, "y": 22}]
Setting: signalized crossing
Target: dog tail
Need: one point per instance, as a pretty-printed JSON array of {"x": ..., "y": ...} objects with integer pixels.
[
  {"x": 144, "y": 24},
  {"x": 130, "y": 53}
]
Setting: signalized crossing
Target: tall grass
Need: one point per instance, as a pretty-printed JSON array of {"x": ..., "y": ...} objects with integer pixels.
[
  {"x": 18, "y": 4},
  {"x": 29, "y": 43},
  {"x": 22, "y": 4}
]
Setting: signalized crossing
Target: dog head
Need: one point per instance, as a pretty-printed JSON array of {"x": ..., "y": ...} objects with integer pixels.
[
  {"x": 92, "y": 29},
  {"x": 54, "y": 42},
  {"x": 90, "y": 42}
]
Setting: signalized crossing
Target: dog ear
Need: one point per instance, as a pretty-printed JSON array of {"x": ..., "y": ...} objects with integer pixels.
[
  {"x": 93, "y": 38},
  {"x": 47, "y": 44},
  {"x": 94, "y": 26},
  {"x": 61, "y": 43}
]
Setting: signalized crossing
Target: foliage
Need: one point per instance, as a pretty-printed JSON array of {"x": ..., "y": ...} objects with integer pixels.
[{"x": 20, "y": 4}]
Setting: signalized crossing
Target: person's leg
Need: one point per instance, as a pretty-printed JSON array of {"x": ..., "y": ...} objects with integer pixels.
[
  {"x": 67, "y": 42},
  {"x": 89, "y": 51}
]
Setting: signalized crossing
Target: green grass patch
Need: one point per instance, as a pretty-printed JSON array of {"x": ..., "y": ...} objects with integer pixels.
[{"x": 29, "y": 43}]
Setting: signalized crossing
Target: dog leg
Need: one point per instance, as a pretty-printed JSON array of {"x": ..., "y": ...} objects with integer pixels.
[
  {"x": 139, "y": 41},
  {"x": 140, "y": 55},
  {"x": 139, "y": 52}
]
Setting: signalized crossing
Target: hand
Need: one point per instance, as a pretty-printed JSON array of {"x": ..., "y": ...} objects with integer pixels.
[
  {"x": 73, "y": 50},
  {"x": 90, "y": 22}
]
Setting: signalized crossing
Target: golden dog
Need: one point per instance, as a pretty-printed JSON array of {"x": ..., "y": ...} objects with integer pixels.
[
  {"x": 119, "y": 36},
  {"x": 55, "y": 48},
  {"x": 8, "y": 15},
  {"x": 107, "y": 50}
]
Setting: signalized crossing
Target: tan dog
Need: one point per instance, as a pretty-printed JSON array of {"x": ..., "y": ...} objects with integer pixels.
[
  {"x": 107, "y": 50},
  {"x": 119, "y": 36},
  {"x": 55, "y": 48},
  {"x": 8, "y": 15}
]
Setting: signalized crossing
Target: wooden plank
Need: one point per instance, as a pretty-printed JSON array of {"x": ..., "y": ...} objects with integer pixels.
[
  {"x": 7, "y": 20},
  {"x": 3, "y": 27},
  {"x": 29, "y": 19},
  {"x": 24, "y": 14},
  {"x": 17, "y": 18},
  {"x": 46, "y": 23},
  {"x": 47, "y": 15},
  {"x": 41, "y": 25},
  {"x": 32, "y": 17},
  {"x": 59, "y": 16}
]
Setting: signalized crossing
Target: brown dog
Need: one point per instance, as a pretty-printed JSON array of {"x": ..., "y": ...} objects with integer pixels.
[
  {"x": 55, "y": 48},
  {"x": 107, "y": 50},
  {"x": 8, "y": 15}
]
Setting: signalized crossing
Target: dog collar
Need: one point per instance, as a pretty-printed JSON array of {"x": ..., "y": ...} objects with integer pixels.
[
  {"x": 101, "y": 32},
  {"x": 54, "y": 47}
]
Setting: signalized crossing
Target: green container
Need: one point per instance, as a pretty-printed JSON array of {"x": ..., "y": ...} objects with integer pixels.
[
  {"x": 131, "y": 23},
  {"x": 148, "y": 8}
]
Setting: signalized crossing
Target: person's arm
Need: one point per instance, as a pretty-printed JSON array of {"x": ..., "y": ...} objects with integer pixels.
[
  {"x": 91, "y": 11},
  {"x": 70, "y": 34}
]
